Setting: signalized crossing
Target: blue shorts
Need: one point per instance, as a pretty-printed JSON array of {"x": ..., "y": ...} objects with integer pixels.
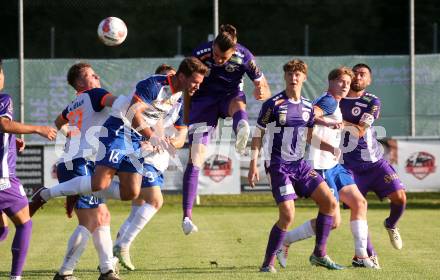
[
  {"x": 337, "y": 178},
  {"x": 75, "y": 168},
  {"x": 119, "y": 147},
  {"x": 152, "y": 177}
]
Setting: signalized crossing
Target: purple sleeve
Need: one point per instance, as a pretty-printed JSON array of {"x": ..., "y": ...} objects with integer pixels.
[
  {"x": 311, "y": 120},
  {"x": 6, "y": 106},
  {"x": 250, "y": 66},
  {"x": 266, "y": 114},
  {"x": 375, "y": 108}
]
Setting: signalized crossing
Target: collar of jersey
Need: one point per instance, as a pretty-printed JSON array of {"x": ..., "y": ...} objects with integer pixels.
[
  {"x": 171, "y": 86},
  {"x": 81, "y": 92}
]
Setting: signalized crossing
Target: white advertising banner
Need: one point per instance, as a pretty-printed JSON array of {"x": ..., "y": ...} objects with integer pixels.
[
  {"x": 220, "y": 173},
  {"x": 417, "y": 165}
]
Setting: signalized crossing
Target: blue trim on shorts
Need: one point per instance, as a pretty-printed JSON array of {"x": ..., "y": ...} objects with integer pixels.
[
  {"x": 75, "y": 168},
  {"x": 151, "y": 177},
  {"x": 337, "y": 178}
]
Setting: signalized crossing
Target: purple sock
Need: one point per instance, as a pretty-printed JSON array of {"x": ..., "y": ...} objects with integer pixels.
[
  {"x": 20, "y": 247},
  {"x": 323, "y": 226},
  {"x": 396, "y": 211},
  {"x": 3, "y": 233},
  {"x": 370, "y": 248},
  {"x": 276, "y": 238},
  {"x": 237, "y": 117},
  {"x": 190, "y": 182}
]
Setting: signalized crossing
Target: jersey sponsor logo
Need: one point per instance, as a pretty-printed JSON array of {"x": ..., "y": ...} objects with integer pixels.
[
  {"x": 4, "y": 184},
  {"x": 306, "y": 116},
  {"x": 217, "y": 167},
  {"x": 390, "y": 177},
  {"x": 367, "y": 98},
  {"x": 236, "y": 59},
  {"x": 282, "y": 117},
  {"x": 361, "y": 104},
  {"x": 420, "y": 164},
  {"x": 356, "y": 111},
  {"x": 313, "y": 173},
  {"x": 231, "y": 67}
]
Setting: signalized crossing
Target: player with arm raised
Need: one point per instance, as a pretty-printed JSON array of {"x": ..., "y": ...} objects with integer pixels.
[
  {"x": 13, "y": 200},
  {"x": 285, "y": 119},
  {"x": 156, "y": 161},
  {"x": 341, "y": 182},
  {"x": 364, "y": 156},
  {"x": 220, "y": 95},
  {"x": 82, "y": 121}
]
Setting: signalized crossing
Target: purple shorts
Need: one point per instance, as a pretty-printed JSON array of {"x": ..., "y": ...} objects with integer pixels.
[
  {"x": 205, "y": 111},
  {"x": 379, "y": 177},
  {"x": 12, "y": 196},
  {"x": 290, "y": 181}
]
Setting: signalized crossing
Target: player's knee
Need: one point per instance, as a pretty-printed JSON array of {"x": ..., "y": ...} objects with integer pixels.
[
  {"x": 129, "y": 194},
  {"x": 336, "y": 223},
  {"x": 399, "y": 197},
  {"x": 157, "y": 203}
]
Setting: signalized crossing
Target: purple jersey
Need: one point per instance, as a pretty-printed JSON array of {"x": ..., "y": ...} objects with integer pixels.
[
  {"x": 285, "y": 122},
  {"x": 226, "y": 78},
  {"x": 8, "y": 150},
  {"x": 358, "y": 152}
]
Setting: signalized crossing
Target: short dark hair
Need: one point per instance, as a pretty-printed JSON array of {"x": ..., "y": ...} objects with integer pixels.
[
  {"x": 338, "y": 72},
  {"x": 75, "y": 71},
  {"x": 295, "y": 65},
  {"x": 362, "y": 65},
  {"x": 227, "y": 37},
  {"x": 163, "y": 68},
  {"x": 190, "y": 65}
]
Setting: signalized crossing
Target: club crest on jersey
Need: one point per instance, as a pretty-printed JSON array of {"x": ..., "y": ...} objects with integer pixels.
[
  {"x": 420, "y": 164},
  {"x": 356, "y": 111},
  {"x": 282, "y": 117},
  {"x": 306, "y": 116},
  {"x": 217, "y": 167},
  {"x": 231, "y": 67}
]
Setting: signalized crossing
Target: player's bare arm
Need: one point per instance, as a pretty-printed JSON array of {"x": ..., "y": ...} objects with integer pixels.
[
  {"x": 257, "y": 142},
  {"x": 262, "y": 90},
  {"x": 319, "y": 119},
  {"x": 9, "y": 126},
  {"x": 179, "y": 140}
]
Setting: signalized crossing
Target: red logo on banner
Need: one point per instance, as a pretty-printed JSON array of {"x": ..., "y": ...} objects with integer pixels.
[
  {"x": 217, "y": 167},
  {"x": 420, "y": 164}
]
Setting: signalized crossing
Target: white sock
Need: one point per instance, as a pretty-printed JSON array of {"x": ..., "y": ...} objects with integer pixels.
[
  {"x": 77, "y": 185},
  {"x": 112, "y": 192},
  {"x": 304, "y": 231},
  {"x": 359, "y": 229},
  {"x": 102, "y": 240},
  {"x": 75, "y": 247},
  {"x": 141, "y": 218},
  {"x": 15, "y": 278},
  {"x": 126, "y": 224}
]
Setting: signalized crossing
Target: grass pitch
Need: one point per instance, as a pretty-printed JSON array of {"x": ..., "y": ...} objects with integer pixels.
[{"x": 232, "y": 240}]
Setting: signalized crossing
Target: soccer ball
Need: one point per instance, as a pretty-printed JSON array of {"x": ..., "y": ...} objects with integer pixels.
[{"x": 112, "y": 31}]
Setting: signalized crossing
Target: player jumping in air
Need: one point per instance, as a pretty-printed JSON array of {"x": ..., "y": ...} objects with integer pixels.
[{"x": 220, "y": 95}]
